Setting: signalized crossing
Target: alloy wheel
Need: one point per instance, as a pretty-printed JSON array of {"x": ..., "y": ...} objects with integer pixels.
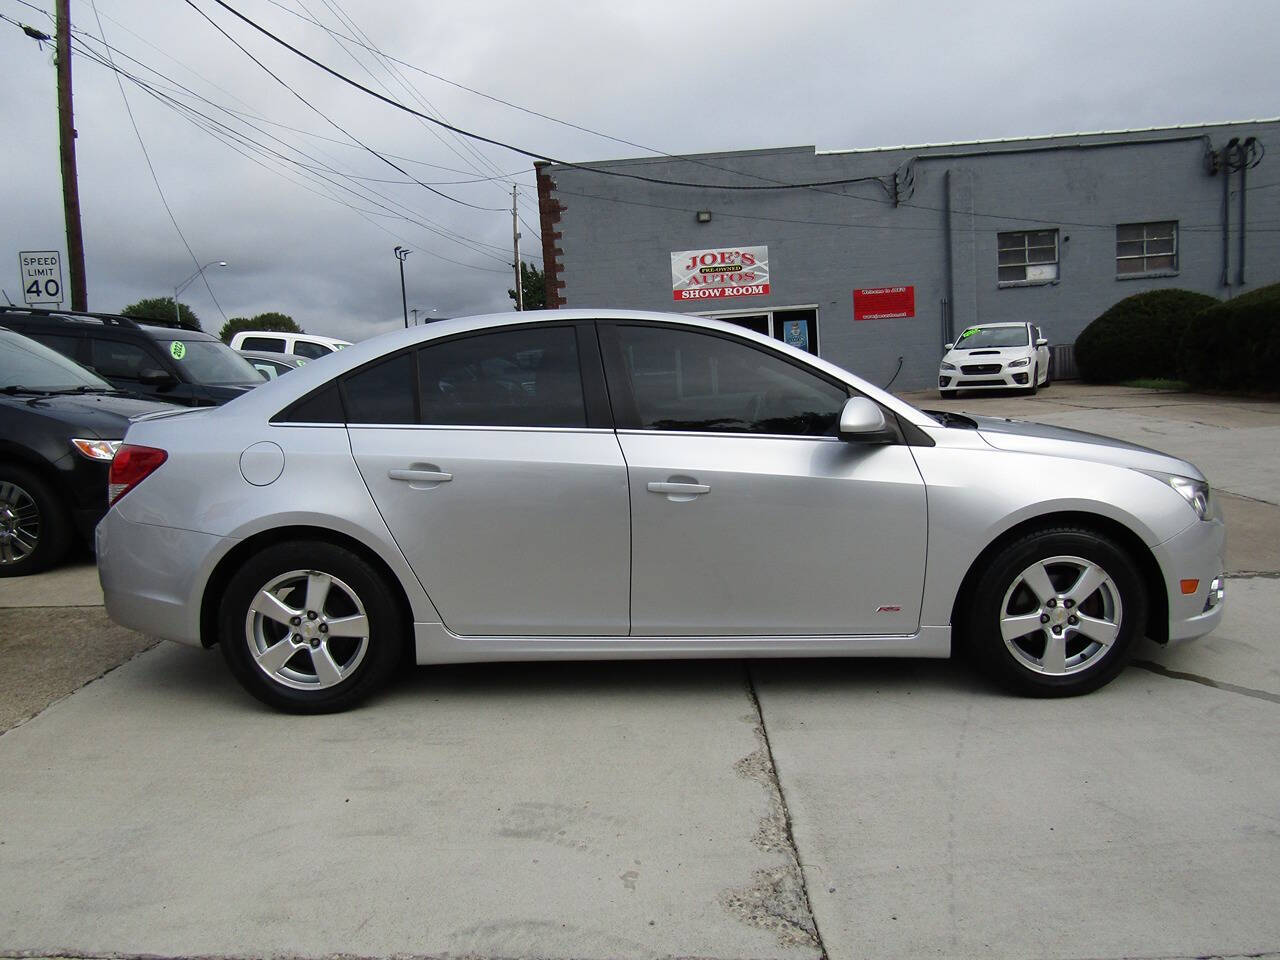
[
  {"x": 307, "y": 630},
  {"x": 19, "y": 523},
  {"x": 1061, "y": 615}
]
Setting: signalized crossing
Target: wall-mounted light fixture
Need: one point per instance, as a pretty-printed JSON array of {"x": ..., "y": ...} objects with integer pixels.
[{"x": 704, "y": 216}]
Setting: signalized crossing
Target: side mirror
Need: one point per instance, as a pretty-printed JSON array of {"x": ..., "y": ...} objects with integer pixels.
[
  {"x": 1042, "y": 342},
  {"x": 156, "y": 378},
  {"x": 948, "y": 346},
  {"x": 863, "y": 421}
]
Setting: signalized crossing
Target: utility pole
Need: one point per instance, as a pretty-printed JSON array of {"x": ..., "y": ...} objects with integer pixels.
[
  {"x": 67, "y": 154},
  {"x": 401, "y": 253},
  {"x": 415, "y": 316},
  {"x": 515, "y": 243}
]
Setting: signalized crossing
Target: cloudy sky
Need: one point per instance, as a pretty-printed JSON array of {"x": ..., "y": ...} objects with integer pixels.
[{"x": 307, "y": 218}]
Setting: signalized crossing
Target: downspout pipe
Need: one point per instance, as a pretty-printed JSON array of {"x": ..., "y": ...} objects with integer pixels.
[
  {"x": 1245, "y": 150},
  {"x": 1228, "y": 158},
  {"x": 948, "y": 322}
]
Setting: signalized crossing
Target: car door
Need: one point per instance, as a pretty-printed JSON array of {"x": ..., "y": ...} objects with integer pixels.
[
  {"x": 501, "y": 479},
  {"x": 749, "y": 515}
]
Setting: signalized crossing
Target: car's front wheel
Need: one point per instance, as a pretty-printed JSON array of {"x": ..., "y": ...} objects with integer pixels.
[
  {"x": 1056, "y": 613},
  {"x": 310, "y": 627},
  {"x": 35, "y": 532}
]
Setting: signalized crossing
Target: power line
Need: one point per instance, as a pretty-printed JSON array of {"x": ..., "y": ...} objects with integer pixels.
[
  {"x": 498, "y": 143},
  {"x": 221, "y": 131},
  {"x": 334, "y": 123},
  {"x": 154, "y": 178}
]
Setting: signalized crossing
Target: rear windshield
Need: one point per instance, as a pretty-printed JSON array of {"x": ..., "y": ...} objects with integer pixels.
[
  {"x": 211, "y": 362},
  {"x": 975, "y": 338}
]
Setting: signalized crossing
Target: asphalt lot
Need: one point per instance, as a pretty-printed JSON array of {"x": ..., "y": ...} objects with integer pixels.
[{"x": 777, "y": 809}]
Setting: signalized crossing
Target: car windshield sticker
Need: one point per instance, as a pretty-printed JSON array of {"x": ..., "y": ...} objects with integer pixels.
[
  {"x": 177, "y": 349},
  {"x": 969, "y": 333}
]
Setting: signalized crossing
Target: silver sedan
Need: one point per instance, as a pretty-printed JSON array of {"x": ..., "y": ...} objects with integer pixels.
[{"x": 604, "y": 484}]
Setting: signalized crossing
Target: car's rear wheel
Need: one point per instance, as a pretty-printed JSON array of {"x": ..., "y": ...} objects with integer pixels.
[
  {"x": 1057, "y": 612},
  {"x": 35, "y": 531},
  {"x": 310, "y": 627}
]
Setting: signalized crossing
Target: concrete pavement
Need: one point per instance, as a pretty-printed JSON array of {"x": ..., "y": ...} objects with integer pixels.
[{"x": 792, "y": 809}]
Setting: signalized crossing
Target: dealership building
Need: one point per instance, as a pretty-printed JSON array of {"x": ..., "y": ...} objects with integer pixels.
[{"x": 874, "y": 258}]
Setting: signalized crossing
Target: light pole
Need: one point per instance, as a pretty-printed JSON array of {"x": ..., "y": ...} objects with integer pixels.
[
  {"x": 187, "y": 282},
  {"x": 401, "y": 253},
  {"x": 415, "y": 316}
]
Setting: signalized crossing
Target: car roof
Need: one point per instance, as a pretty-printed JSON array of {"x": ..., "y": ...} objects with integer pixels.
[
  {"x": 275, "y": 395},
  {"x": 985, "y": 326},
  {"x": 175, "y": 333},
  {"x": 288, "y": 359}
]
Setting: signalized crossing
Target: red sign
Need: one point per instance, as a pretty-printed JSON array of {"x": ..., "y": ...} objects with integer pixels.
[{"x": 884, "y": 303}]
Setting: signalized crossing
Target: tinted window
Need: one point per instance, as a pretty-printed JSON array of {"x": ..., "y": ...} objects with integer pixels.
[
  {"x": 382, "y": 393},
  {"x": 63, "y": 344},
  {"x": 684, "y": 380},
  {"x": 311, "y": 351},
  {"x": 265, "y": 344},
  {"x": 523, "y": 378},
  {"x": 116, "y": 358},
  {"x": 322, "y": 406},
  {"x": 26, "y": 363}
]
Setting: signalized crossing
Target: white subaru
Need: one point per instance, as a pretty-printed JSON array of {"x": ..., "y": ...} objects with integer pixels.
[{"x": 995, "y": 356}]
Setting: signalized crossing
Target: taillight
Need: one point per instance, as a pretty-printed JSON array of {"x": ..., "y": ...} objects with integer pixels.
[{"x": 131, "y": 466}]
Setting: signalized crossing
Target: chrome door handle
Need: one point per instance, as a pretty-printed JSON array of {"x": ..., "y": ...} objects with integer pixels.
[
  {"x": 678, "y": 489},
  {"x": 420, "y": 476}
]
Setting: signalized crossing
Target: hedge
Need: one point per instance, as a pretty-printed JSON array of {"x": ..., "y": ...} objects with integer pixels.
[
  {"x": 1138, "y": 337},
  {"x": 1235, "y": 344}
]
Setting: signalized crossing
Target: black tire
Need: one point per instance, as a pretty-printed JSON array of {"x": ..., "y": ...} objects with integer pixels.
[
  {"x": 35, "y": 530},
  {"x": 1035, "y": 375},
  {"x": 326, "y": 672},
  {"x": 1026, "y": 663},
  {"x": 947, "y": 394},
  {"x": 1048, "y": 375}
]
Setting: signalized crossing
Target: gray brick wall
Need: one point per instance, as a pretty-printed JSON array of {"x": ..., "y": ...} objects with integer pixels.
[{"x": 615, "y": 235}]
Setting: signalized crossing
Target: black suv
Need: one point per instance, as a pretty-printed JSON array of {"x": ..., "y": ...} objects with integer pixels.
[
  {"x": 60, "y": 427},
  {"x": 163, "y": 363}
]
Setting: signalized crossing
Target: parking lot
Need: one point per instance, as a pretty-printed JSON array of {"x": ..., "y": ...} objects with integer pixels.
[{"x": 714, "y": 809}]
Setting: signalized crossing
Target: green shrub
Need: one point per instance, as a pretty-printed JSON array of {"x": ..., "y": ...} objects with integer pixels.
[
  {"x": 1138, "y": 337},
  {"x": 1235, "y": 344}
]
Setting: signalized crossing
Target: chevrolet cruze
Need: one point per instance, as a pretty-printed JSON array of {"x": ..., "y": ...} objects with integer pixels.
[{"x": 600, "y": 484}]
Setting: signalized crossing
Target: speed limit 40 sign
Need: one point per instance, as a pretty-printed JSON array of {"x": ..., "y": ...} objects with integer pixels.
[{"x": 41, "y": 276}]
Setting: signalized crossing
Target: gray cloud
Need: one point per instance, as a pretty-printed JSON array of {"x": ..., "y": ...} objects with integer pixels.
[{"x": 716, "y": 76}]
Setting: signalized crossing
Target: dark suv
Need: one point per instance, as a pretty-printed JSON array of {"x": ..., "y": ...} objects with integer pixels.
[{"x": 163, "y": 363}]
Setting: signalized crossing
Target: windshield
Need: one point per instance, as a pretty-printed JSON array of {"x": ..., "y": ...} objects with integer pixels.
[
  {"x": 25, "y": 363},
  {"x": 212, "y": 362},
  {"x": 976, "y": 338}
]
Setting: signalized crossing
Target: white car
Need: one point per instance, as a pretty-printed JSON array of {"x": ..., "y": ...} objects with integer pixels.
[
  {"x": 309, "y": 345},
  {"x": 995, "y": 356}
]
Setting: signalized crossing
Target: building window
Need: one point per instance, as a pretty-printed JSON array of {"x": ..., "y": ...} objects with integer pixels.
[
  {"x": 1143, "y": 249},
  {"x": 1027, "y": 257}
]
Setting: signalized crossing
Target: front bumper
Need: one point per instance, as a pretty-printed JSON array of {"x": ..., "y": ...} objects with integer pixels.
[
  {"x": 1004, "y": 379},
  {"x": 1194, "y": 555},
  {"x": 153, "y": 577}
]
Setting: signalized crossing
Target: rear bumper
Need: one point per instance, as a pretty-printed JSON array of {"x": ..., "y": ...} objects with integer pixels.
[
  {"x": 153, "y": 577},
  {"x": 1195, "y": 554}
]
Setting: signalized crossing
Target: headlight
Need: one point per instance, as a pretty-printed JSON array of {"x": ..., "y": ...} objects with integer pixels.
[
  {"x": 1019, "y": 363},
  {"x": 948, "y": 366},
  {"x": 1195, "y": 492},
  {"x": 104, "y": 450}
]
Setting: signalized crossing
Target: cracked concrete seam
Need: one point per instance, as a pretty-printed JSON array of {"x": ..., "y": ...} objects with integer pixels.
[{"x": 777, "y": 899}]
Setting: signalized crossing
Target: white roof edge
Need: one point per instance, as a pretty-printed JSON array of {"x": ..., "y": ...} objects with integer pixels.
[{"x": 1044, "y": 136}]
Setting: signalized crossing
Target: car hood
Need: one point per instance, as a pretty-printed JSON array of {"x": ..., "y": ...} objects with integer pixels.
[
  {"x": 102, "y": 415},
  {"x": 987, "y": 355},
  {"x": 1024, "y": 436}
]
